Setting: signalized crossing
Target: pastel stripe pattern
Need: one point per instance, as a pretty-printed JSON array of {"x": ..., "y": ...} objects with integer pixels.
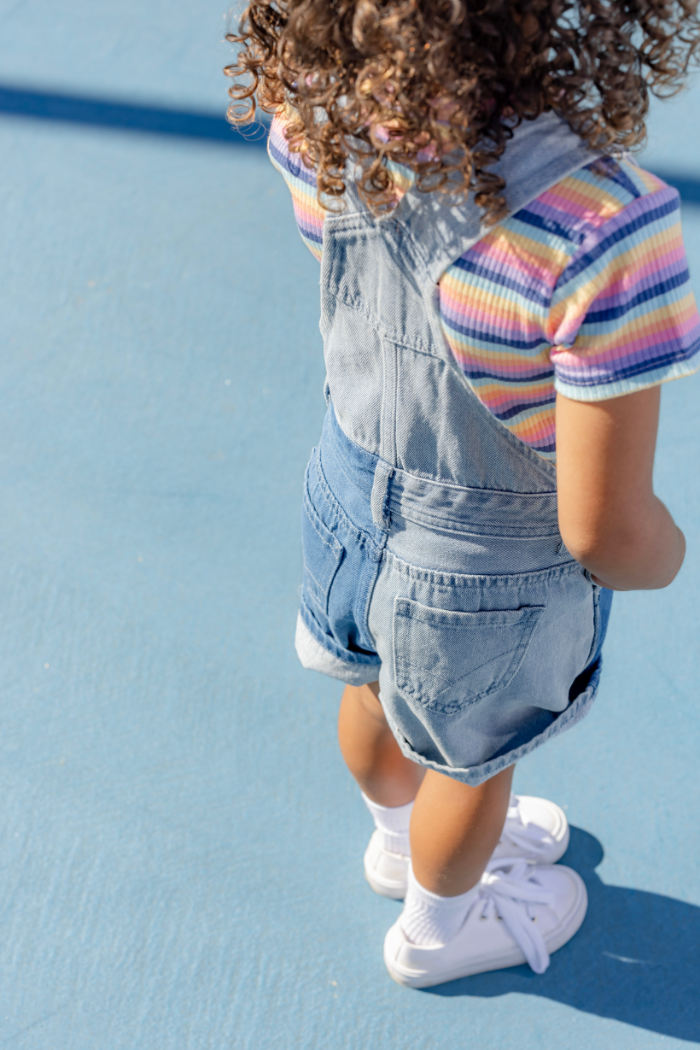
[
  {"x": 302, "y": 183},
  {"x": 585, "y": 291}
]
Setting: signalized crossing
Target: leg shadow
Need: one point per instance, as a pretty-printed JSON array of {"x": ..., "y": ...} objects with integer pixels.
[{"x": 636, "y": 958}]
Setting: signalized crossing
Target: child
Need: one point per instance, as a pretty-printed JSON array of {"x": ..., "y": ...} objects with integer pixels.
[{"x": 496, "y": 273}]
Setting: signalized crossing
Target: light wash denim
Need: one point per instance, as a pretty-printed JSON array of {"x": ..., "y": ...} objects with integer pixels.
[{"x": 432, "y": 555}]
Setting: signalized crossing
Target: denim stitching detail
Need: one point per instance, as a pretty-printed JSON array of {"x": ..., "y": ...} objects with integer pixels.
[
  {"x": 363, "y": 538},
  {"x": 596, "y": 620},
  {"x": 528, "y": 622},
  {"x": 448, "y": 581},
  {"x": 335, "y": 547},
  {"x": 392, "y": 335},
  {"x": 475, "y": 775},
  {"x": 328, "y": 643}
]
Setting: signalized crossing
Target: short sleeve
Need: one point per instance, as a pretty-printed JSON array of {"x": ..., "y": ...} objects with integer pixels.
[
  {"x": 301, "y": 181},
  {"x": 623, "y": 313}
]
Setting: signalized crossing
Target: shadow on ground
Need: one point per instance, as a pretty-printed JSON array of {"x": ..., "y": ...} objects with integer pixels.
[
  {"x": 636, "y": 959},
  {"x": 126, "y": 116}
]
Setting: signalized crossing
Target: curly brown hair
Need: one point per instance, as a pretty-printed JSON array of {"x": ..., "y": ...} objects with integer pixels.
[{"x": 381, "y": 80}]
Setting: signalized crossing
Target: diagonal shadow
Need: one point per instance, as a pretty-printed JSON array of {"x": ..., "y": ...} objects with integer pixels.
[
  {"x": 152, "y": 120},
  {"x": 636, "y": 958}
]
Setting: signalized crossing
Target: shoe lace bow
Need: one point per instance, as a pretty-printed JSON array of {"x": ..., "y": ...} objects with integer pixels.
[{"x": 508, "y": 890}]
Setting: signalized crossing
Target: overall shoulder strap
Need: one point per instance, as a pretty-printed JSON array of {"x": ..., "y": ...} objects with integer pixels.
[{"x": 540, "y": 154}]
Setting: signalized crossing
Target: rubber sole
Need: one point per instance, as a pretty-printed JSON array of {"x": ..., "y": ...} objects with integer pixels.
[
  {"x": 559, "y": 936},
  {"x": 394, "y": 889},
  {"x": 393, "y": 892}
]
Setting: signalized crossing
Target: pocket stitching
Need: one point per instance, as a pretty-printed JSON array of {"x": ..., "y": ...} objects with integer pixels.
[
  {"x": 335, "y": 545},
  {"x": 332, "y": 544},
  {"x": 509, "y": 674},
  {"x": 529, "y": 616}
]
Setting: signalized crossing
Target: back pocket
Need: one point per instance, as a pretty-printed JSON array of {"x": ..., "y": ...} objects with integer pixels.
[
  {"x": 323, "y": 553},
  {"x": 448, "y": 660}
]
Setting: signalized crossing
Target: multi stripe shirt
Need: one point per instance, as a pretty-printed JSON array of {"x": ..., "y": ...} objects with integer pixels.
[{"x": 584, "y": 291}]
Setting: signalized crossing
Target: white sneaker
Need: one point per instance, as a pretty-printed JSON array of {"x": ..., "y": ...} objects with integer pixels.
[
  {"x": 386, "y": 872},
  {"x": 535, "y": 829},
  {"x": 522, "y": 913}
]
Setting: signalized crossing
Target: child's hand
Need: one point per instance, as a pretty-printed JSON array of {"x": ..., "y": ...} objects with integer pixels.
[{"x": 609, "y": 517}]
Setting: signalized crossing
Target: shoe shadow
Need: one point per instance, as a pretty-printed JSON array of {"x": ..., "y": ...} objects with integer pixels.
[{"x": 636, "y": 958}]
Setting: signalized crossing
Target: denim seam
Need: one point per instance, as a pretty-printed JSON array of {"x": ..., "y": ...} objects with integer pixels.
[
  {"x": 363, "y": 541},
  {"x": 517, "y": 654},
  {"x": 390, "y": 373},
  {"x": 368, "y": 601},
  {"x": 444, "y": 625},
  {"x": 448, "y": 581},
  {"x": 366, "y": 540},
  {"x": 341, "y": 520},
  {"x": 312, "y": 516},
  {"x": 326, "y": 489},
  {"x": 485, "y": 491},
  {"x": 369, "y": 543},
  {"x": 468, "y": 528},
  {"x": 477, "y": 774},
  {"x": 431, "y": 298},
  {"x": 345, "y": 655},
  {"x": 530, "y": 621},
  {"x": 332, "y": 520},
  {"x": 596, "y": 624},
  {"x": 393, "y": 336},
  {"x": 448, "y": 483}
]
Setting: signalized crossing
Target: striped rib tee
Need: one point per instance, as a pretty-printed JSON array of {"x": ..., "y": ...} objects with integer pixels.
[{"x": 584, "y": 291}]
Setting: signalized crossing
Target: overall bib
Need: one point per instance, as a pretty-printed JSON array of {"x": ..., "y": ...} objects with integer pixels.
[{"x": 433, "y": 561}]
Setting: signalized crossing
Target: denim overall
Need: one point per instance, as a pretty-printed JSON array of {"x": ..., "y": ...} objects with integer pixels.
[{"x": 433, "y": 561}]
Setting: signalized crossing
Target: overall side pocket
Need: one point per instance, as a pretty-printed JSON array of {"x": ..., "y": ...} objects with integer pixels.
[
  {"x": 449, "y": 660},
  {"x": 322, "y": 552}
]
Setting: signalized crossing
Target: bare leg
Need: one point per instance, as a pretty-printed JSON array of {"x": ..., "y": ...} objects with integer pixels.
[
  {"x": 370, "y": 751},
  {"x": 454, "y": 830},
  {"x": 454, "y": 827}
]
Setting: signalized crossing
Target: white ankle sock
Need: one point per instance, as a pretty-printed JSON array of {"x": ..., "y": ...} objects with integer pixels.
[
  {"x": 392, "y": 824},
  {"x": 429, "y": 919}
]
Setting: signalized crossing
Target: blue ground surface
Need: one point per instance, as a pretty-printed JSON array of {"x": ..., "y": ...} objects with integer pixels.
[{"x": 180, "y": 846}]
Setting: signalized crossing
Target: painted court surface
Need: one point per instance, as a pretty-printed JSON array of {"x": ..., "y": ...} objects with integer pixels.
[{"x": 180, "y": 846}]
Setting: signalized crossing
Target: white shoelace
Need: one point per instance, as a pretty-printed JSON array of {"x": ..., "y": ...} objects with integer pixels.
[
  {"x": 525, "y": 836},
  {"x": 508, "y": 890}
]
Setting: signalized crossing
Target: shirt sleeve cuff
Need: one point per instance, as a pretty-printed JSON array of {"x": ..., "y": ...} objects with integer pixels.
[{"x": 618, "y": 388}]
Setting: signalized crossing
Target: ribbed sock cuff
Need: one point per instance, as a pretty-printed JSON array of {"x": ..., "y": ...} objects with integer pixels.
[{"x": 428, "y": 919}]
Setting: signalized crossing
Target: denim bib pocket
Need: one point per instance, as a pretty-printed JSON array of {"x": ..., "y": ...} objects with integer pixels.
[
  {"x": 323, "y": 553},
  {"x": 447, "y": 660}
]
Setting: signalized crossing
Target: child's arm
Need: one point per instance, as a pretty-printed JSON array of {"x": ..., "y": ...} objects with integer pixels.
[{"x": 609, "y": 517}]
